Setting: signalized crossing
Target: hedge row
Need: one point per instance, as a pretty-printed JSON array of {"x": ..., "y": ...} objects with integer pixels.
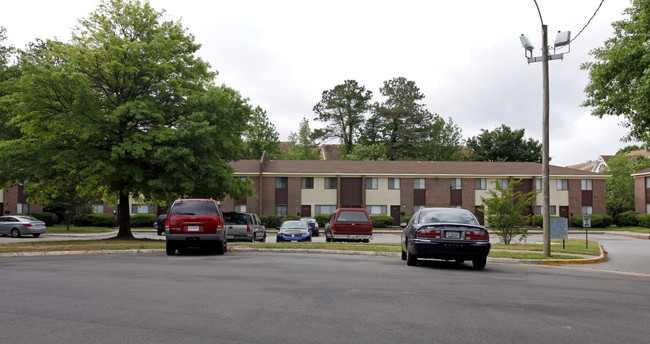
[
  {"x": 95, "y": 220},
  {"x": 50, "y": 219},
  {"x": 597, "y": 221}
]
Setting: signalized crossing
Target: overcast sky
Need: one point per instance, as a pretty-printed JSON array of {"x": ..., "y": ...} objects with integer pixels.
[{"x": 465, "y": 56}]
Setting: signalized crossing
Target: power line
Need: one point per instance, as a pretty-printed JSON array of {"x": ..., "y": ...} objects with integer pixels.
[{"x": 592, "y": 17}]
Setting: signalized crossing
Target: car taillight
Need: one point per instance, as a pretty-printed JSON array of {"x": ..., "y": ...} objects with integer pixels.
[
  {"x": 476, "y": 235},
  {"x": 167, "y": 222},
  {"x": 333, "y": 229},
  {"x": 27, "y": 224},
  {"x": 219, "y": 222},
  {"x": 429, "y": 233},
  {"x": 248, "y": 228}
]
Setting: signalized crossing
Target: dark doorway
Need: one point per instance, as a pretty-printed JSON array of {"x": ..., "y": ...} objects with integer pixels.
[
  {"x": 395, "y": 213},
  {"x": 564, "y": 211},
  {"x": 305, "y": 210},
  {"x": 351, "y": 192}
]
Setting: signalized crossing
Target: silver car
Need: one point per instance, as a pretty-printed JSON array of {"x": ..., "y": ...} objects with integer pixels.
[{"x": 17, "y": 225}]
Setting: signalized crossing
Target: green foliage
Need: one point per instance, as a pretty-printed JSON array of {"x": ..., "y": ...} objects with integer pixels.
[
  {"x": 322, "y": 219},
  {"x": 291, "y": 218},
  {"x": 504, "y": 144},
  {"x": 620, "y": 187},
  {"x": 372, "y": 152},
  {"x": 50, "y": 219},
  {"x": 620, "y": 75},
  {"x": 406, "y": 218},
  {"x": 261, "y": 136},
  {"x": 626, "y": 219},
  {"x": 271, "y": 221},
  {"x": 95, "y": 220},
  {"x": 597, "y": 221},
  {"x": 643, "y": 220},
  {"x": 539, "y": 219},
  {"x": 381, "y": 221},
  {"x": 143, "y": 220},
  {"x": 343, "y": 108},
  {"x": 505, "y": 209},
  {"x": 304, "y": 147}
]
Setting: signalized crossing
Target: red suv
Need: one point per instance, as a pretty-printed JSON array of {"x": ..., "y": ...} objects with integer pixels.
[
  {"x": 195, "y": 223},
  {"x": 349, "y": 224}
]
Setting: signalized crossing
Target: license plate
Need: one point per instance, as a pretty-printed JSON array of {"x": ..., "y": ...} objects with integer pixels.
[
  {"x": 192, "y": 228},
  {"x": 353, "y": 237},
  {"x": 452, "y": 235},
  {"x": 231, "y": 237}
]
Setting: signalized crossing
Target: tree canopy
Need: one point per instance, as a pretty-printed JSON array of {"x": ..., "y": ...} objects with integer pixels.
[
  {"x": 620, "y": 77},
  {"x": 260, "y": 136},
  {"x": 620, "y": 186},
  {"x": 128, "y": 109},
  {"x": 504, "y": 144}
]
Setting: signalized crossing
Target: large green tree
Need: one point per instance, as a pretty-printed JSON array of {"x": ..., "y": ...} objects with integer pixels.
[
  {"x": 261, "y": 136},
  {"x": 504, "y": 144},
  {"x": 620, "y": 75},
  {"x": 343, "y": 109},
  {"x": 620, "y": 186},
  {"x": 9, "y": 75},
  {"x": 304, "y": 145},
  {"x": 128, "y": 108}
]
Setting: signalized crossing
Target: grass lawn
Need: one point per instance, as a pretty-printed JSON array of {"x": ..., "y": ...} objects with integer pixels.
[
  {"x": 627, "y": 229},
  {"x": 61, "y": 229},
  {"x": 575, "y": 246}
]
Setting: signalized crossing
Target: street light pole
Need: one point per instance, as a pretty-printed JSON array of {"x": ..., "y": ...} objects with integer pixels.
[{"x": 546, "y": 216}]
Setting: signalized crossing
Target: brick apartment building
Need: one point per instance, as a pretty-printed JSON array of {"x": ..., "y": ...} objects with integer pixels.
[
  {"x": 14, "y": 201},
  {"x": 309, "y": 187},
  {"x": 642, "y": 191}
]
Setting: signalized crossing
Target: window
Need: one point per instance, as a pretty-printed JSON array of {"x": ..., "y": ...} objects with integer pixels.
[
  {"x": 307, "y": 182},
  {"x": 376, "y": 209},
  {"x": 393, "y": 183},
  {"x": 240, "y": 208},
  {"x": 586, "y": 209},
  {"x": 587, "y": 184},
  {"x": 647, "y": 185},
  {"x": 539, "y": 210},
  {"x": 325, "y": 209},
  {"x": 23, "y": 208},
  {"x": 281, "y": 210},
  {"x": 456, "y": 184},
  {"x": 481, "y": 184},
  {"x": 142, "y": 208},
  {"x": 418, "y": 184},
  {"x": 371, "y": 183},
  {"x": 538, "y": 184},
  {"x": 563, "y": 184},
  {"x": 98, "y": 208},
  {"x": 503, "y": 182},
  {"x": 330, "y": 183},
  {"x": 281, "y": 182}
]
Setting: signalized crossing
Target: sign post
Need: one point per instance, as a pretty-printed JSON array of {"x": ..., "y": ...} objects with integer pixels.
[{"x": 586, "y": 224}]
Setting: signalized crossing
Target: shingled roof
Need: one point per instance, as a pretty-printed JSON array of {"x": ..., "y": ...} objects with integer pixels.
[{"x": 412, "y": 168}]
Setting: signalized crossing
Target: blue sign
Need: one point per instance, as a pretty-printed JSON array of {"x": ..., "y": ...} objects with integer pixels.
[{"x": 559, "y": 228}]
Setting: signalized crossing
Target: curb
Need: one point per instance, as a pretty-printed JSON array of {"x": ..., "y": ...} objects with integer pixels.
[{"x": 603, "y": 258}]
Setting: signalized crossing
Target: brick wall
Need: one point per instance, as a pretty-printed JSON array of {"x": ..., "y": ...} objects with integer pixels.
[
  {"x": 406, "y": 195},
  {"x": 599, "y": 187},
  {"x": 438, "y": 192},
  {"x": 575, "y": 197},
  {"x": 469, "y": 193},
  {"x": 639, "y": 195},
  {"x": 295, "y": 199},
  {"x": 268, "y": 196}
]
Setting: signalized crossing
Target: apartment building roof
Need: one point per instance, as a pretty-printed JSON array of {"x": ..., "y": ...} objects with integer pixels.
[{"x": 406, "y": 168}]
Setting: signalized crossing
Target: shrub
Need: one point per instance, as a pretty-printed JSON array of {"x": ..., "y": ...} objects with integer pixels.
[
  {"x": 95, "y": 220},
  {"x": 597, "y": 221},
  {"x": 626, "y": 219},
  {"x": 271, "y": 221},
  {"x": 322, "y": 219},
  {"x": 50, "y": 219},
  {"x": 643, "y": 220},
  {"x": 381, "y": 221},
  {"x": 143, "y": 220},
  {"x": 406, "y": 218},
  {"x": 291, "y": 218}
]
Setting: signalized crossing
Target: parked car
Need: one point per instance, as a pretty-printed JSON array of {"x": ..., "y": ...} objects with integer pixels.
[
  {"x": 293, "y": 231},
  {"x": 18, "y": 225},
  {"x": 159, "y": 225},
  {"x": 349, "y": 224},
  {"x": 313, "y": 225},
  {"x": 195, "y": 223},
  {"x": 244, "y": 226},
  {"x": 445, "y": 233}
]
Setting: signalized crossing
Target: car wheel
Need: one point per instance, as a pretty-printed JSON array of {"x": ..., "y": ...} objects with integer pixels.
[
  {"x": 253, "y": 237},
  {"x": 460, "y": 261},
  {"x": 36, "y": 235},
  {"x": 479, "y": 263},
  {"x": 170, "y": 249},
  {"x": 160, "y": 232},
  {"x": 327, "y": 239},
  {"x": 263, "y": 238},
  {"x": 220, "y": 247},
  {"x": 366, "y": 240},
  {"x": 403, "y": 255},
  {"x": 15, "y": 233},
  {"x": 411, "y": 260}
]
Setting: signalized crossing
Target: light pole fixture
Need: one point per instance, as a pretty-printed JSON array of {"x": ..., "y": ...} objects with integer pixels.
[{"x": 563, "y": 39}]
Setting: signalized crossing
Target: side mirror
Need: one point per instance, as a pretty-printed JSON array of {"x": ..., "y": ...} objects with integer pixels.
[{"x": 403, "y": 224}]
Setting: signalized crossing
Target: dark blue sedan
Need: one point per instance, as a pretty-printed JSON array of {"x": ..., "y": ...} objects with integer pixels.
[
  {"x": 445, "y": 233},
  {"x": 293, "y": 231}
]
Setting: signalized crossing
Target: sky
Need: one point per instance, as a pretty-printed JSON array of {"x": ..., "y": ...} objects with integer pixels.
[{"x": 465, "y": 56}]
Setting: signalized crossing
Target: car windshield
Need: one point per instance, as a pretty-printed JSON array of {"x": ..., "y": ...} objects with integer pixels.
[
  {"x": 294, "y": 225},
  {"x": 353, "y": 216},
  {"x": 447, "y": 216},
  {"x": 194, "y": 208},
  {"x": 234, "y": 218},
  {"x": 308, "y": 219},
  {"x": 27, "y": 218}
]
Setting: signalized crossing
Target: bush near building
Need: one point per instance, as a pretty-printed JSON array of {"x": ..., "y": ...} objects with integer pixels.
[
  {"x": 95, "y": 220},
  {"x": 381, "y": 221},
  {"x": 643, "y": 220},
  {"x": 143, "y": 220},
  {"x": 50, "y": 219},
  {"x": 626, "y": 219},
  {"x": 597, "y": 221}
]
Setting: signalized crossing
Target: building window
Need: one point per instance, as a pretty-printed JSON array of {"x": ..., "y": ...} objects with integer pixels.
[
  {"x": 587, "y": 184},
  {"x": 481, "y": 184},
  {"x": 563, "y": 184},
  {"x": 307, "y": 182},
  {"x": 376, "y": 209},
  {"x": 23, "y": 208},
  {"x": 330, "y": 182},
  {"x": 586, "y": 209},
  {"x": 538, "y": 184},
  {"x": 456, "y": 184},
  {"x": 98, "y": 208},
  {"x": 393, "y": 183},
  {"x": 240, "y": 208},
  {"x": 325, "y": 209},
  {"x": 281, "y": 182},
  {"x": 371, "y": 183},
  {"x": 281, "y": 210},
  {"x": 539, "y": 210},
  {"x": 647, "y": 183},
  {"x": 418, "y": 184},
  {"x": 142, "y": 209},
  {"x": 503, "y": 182}
]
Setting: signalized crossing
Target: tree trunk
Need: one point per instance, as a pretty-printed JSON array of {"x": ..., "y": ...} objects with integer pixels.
[{"x": 124, "y": 216}]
